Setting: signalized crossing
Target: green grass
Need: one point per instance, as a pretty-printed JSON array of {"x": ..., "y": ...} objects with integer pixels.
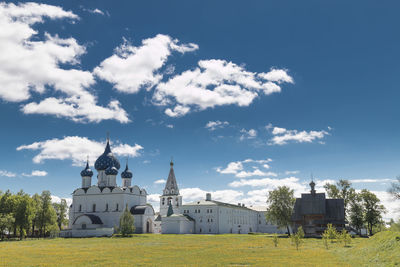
[{"x": 199, "y": 250}]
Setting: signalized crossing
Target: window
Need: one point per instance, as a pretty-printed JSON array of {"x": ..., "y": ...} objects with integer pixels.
[
  {"x": 83, "y": 225},
  {"x": 200, "y": 230},
  {"x": 94, "y": 207},
  {"x": 107, "y": 207},
  {"x": 209, "y": 230},
  {"x": 210, "y": 210},
  {"x": 80, "y": 208},
  {"x": 163, "y": 201},
  {"x": 117, "y": 207}
]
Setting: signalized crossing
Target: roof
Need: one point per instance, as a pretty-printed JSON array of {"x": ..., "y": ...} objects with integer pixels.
[
  {"x": 258, "y": 208},
  {"x": 316, "y": 204},
  {"x": 171, "y": 187},
  {"x": 158, "y": 218},
  {"x": 138, "y": 209},
  {"x": 215, "y": 203},
  {"x": 93, "y": 218},
  {"x": 107, "y": 159}
]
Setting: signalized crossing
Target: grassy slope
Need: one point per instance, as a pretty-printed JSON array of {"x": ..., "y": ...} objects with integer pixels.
[
  {"x": 381, "y": 249},
  {"x": 178, "y": 250}
]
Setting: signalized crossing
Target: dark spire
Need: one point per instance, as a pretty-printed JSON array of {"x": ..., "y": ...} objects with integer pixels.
[
  {"x": 312, "y": 184},
  {"x": 171, "y": 187},
  {"x": 170, "y": 210}
]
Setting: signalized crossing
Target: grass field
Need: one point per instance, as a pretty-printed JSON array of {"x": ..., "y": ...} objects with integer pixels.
[{"x": 200, "y": 250}]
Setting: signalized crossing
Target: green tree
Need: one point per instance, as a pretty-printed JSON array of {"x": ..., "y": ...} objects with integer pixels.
[
  {"x": 395, "y": 188},
  {"x": 24, "y": 214},
  {"x": 47, "y": 216},
  {"x": 6, "y": 223},
  {"x": 275, "y": 239},
  {"x": 126, "y": 223},
  {"x": 356, "y": 213},
  {"x": 37, "y": 204},
  {"x": 297, "y": 239},
  {"x": 373, "y": 210},
  {"x": 331, "y": 232},
  {"x": 61, "y": 211},
  {"x": 342, "y": 189},
  {"x": 300, "y": 231},
  {"x": 345, "y": 237},
  {"x": 280, "y": 206},
  {"x": 325, "y": 239}
]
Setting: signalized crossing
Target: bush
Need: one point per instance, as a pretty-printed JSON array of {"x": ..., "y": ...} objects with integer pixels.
[
  {"x": 126, "y": 223},
  {"x": 345, "y": 237},
  {"x": 275, "y": 239}
]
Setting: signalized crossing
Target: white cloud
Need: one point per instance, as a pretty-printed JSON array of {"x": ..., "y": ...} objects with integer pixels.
[
  {"x": 372, "y": 180},
  {"x": 7, "y": 173},
  {"x": 282, "y": 136},
  {"x": 392, "y": 205},
  {"x": 213, "y": 125},
  {"x": 30, "y": 65},
  {"x": 193, "y": 194},
  {"x": 169, "y": 126},
  {"x": 237, "y": 168},
  {"x": 292, "y": 182},
  {"x": 291, "y": 172},
  {"x": 277, "y": 75},
  {"x": 160, "y": 181},
  {"x": 178, "y": 111},
  {"x": 132, "y": 68},
  {"x": 96, "y": 11},
  {"x": 250, "y": 134},
  {"x": 36, "y": 173},
  {"x": 77, "y": 148},
  {"x": 215, "y": 83}
]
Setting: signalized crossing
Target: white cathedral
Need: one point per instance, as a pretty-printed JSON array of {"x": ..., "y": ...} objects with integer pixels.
[{"x": 96, "y": 209}]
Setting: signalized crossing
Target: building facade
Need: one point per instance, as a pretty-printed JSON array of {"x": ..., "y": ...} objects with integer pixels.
[
  {"x": 207, "y": 216},
  {"x": 313, "y": 212},
  {"x": 96, "y": 209}
]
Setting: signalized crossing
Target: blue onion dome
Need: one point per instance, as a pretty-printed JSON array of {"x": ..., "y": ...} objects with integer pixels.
[
  {"x": 87, "y": 171},
  {"x": 107, "y": 159},
  {"x": 126, "y": 173},
  {"x": 111, "y": 171}
]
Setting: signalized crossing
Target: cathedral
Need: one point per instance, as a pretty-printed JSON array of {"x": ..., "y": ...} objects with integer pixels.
[{"x": 96, "y": 209}]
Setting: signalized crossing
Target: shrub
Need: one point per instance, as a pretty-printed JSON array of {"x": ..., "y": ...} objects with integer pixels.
[
  {"x": 126, "y": 223},
  {"x": 345, "y": 237},
  {"x": 325, "y": 240},
  {"x": 275, "y": 240}
]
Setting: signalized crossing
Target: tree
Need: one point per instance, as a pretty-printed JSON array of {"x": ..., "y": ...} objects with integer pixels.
[
  {"x": 37, "y": 204},
  {"x": 345, "y": 237},
  {"x": 331, "y": 232},
  {"x": 342, "y": 189},
  {"x": 126, "y": 223},
  {"x": 395, "y": 188},
  {"x": 373, "y": 209},
  {"x": 6, "y": 223},
  {"x": 280, "y": 206},
  {"x": 300, "y": 231},
  {"x": 61, "y": 211},
  {"x": 24, "y": 214},
  {"x": 356, "y": 213},
  {"x": 297, "y": 239},
  {"x": 47, "y": 214},
  {"x": 275, "y": 239}
]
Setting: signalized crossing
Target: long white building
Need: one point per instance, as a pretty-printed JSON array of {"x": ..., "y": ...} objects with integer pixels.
[{"x": 207, "y": 216}]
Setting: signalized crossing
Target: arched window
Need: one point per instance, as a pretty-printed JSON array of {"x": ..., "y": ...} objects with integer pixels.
[
  {"x": 107, "y": 207},
  {"x": 80, "y": 208},
  {"x": 117, "y": 208},
  {"x": 163, "y": 201},
  {"x": 94, "y": 207},
  {"x": 200, "y": 230}
]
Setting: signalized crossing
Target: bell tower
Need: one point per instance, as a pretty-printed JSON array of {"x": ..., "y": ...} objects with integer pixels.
[{"x": 170, "y": 194}]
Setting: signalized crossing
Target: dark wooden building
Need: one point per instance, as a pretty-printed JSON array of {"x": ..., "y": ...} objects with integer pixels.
[{"x": 314, "y": 212}]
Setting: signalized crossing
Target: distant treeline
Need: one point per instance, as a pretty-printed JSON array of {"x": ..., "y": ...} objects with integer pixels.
[{"x": 23, "y": 215}]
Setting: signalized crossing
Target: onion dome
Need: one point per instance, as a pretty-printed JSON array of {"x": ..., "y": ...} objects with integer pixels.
[
  {"x": 126, "y": 174},
  {"x": 111, "y": 171},
  {"x": 87, "y": 171},
  {"x": 107, "y": 159}
]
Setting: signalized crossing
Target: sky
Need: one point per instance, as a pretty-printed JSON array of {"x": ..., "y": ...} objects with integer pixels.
[{"x": 244, "y": 96}]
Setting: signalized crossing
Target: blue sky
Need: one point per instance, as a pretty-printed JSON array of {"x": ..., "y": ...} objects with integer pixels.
[{"x": 292, "y": 87}]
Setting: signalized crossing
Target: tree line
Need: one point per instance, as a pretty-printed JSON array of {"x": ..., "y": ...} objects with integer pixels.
[
  {"x": 363, "y": 209},
  {"x": 22, "y": 215}
]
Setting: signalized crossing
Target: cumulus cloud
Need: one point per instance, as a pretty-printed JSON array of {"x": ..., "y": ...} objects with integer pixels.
[
  {"x": 372, "y": 180},
  {"x": 216, "y": 83},
  {"x": 160, "y": 181},
  {"x": 291, "y": 182},
  {"x": 30, "y": 65},
  {"x": 291, "y": 172},
  {"x": 282, "y": 136},
  {"x": 76, "y": 148},
  {"x": 5, "y": 173},
  {"x": 57, "y": 199},
  {"x": 132, "y": 68},
  {"x": 35, "y": 173},
  {"x": 214, "y": 125},
  {"x": 178, "y": 111},
  {"x": 171, "y": 126},
  {"x": 227, "y": 195},
  {"x": 250, "y": 134},
  {"x": 237, "y": 168}
]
